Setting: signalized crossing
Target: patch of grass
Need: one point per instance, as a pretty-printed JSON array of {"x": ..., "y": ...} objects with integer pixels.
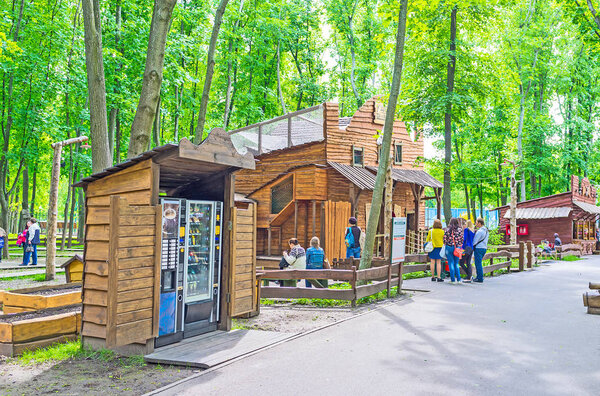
[
  {"x": 63, "y": 351},
  {"x": 571, "y": 258},
  {"x": 35, "y": 277}
]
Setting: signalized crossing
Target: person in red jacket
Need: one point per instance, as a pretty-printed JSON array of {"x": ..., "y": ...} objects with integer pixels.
[{"x": 22, "y": 241}]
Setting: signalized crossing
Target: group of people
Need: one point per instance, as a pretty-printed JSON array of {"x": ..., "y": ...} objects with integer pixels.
[
  {"x": 458, "y": 246},
  {"x": 28, "y": 239}
]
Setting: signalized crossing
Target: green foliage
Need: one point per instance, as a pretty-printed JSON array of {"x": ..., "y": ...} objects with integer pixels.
[
  {"x": 65, "y": 351},
  {"x": 571, "y": 258}
]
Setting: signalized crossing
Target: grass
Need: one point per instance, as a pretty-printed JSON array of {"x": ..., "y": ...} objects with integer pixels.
[
  {"x": 73, "y": 350},
  {"x": 35, "y": 277},
  {"x": 571, "y": 258}
]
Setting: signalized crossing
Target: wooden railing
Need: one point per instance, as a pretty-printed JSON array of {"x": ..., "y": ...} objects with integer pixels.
[{"x": 381, "y": 278}]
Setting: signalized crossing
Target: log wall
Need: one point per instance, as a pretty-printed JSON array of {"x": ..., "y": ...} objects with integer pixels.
[
  {"x": 243, "y": 275},
  {"x": 137, "y": 185},
  {"x": 360, "y": 132}
]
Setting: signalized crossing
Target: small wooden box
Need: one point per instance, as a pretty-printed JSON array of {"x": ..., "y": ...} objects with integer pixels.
[{"x": 73, "y": 269}]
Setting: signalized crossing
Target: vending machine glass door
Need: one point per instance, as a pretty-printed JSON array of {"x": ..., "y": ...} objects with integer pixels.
[{"x": 200, "y": 236}]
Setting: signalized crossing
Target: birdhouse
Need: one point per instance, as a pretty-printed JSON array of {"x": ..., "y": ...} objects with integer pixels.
[{"x": 73, "y": 269}]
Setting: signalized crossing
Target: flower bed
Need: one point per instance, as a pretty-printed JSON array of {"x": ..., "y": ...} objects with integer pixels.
[
  {"x": 32, "y": 330},
  {"x": 36, "y": 298}
]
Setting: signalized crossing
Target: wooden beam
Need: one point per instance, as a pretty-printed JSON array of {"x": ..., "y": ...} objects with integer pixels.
[
  {"x": 269, "y": 241},
  {"x": 289, "y": 132},
  {"x": 314, "y": 217},
  {"x": 226, "y": 254},
  {"x": 295, "y": 219}
]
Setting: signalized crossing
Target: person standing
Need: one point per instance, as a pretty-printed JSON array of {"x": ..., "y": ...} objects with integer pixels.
[
  {"x": 33, "y": 240},
  {"x": 22, "y": 241},
  {"x": 315, "y": 259},
  {"x": 352, "y": 239},
  {"x": 480, "y": 245},
  {"x": 436, "y": 237},
  {"x": 465, "y": 260},
  {"x": 453, "y": 238}
]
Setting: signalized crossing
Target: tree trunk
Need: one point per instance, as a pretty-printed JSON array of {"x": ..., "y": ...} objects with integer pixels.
[
  {"x": 141, "y": 129},
  {"x": 33, "y": 190},
  {"x": 448, "y": 119},
  {"x": 210, "y": 66},
  {"x": 520, "y": 141},
  {"x": 112, "y": 128},
  {"x": 25, "y": 201},
  {"x": 464, "y": 178},
  {"x": 101, "y": 158},
  {"x": 80, "y": 215},
  {"x": 279, "y": 90},
  {"x": 156, "y": 127},
  {"x": 367, "y": 254},
  {"x": 353, "y": 56},
  {"x": 118, "y": 138}
]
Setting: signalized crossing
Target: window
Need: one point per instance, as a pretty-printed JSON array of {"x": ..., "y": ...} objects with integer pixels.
[
  {"x": 281, "y": 195},
  {"x": 357, "y": 156},
  {"x": 398, "y": 153}
]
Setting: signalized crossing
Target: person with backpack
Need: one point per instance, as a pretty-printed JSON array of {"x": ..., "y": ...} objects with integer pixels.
[
  {"x": 453, "y": 239},
  {"x": 480, "y": 244},
  {"x": 352, "y": 239},
  {"x": 465, "y": 260},
  {"x": 315, "y": 259},
  {"x": 33, "y": 239},
  {"x": 2, "y": 236},
  {"x": 435, "y": 242}
]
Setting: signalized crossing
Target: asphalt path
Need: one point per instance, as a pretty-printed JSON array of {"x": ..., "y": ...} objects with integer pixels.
[{"x": 517, "y": 334}]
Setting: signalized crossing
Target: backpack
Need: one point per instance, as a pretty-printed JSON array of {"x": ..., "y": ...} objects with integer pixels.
[{"x": 349, "y": 238}]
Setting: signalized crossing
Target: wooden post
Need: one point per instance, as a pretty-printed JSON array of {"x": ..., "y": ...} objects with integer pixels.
[
  {"x": 438, "y": 202},
  {"x": 529, "y": 254},
  {"x": 492, "y": 263},
  {"x": 314, "y": 217},
  {"x": 113, "y": 272},
  {"x": 295, "y": 219},
  {"x": 400, "y": 265},
  {"x": 260, "y": 139},
  {"x": 52, "y": 214},
  {"x": 269, "y": 241},
  {"x": 353, "y": 285},
  {"x": 289, "y": 132},
  {"x": 387, "y": 212},
  {"x": 53, "y": 204},
  {"x": 521, "y": 256},
  {"x": 389, "y": 280}
]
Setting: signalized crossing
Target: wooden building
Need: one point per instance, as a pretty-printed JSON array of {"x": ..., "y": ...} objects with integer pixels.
[
  {"x": 124, "y": 227},
  {"x": 572, "y": 214},
  {"x": 315, "y": 170}
]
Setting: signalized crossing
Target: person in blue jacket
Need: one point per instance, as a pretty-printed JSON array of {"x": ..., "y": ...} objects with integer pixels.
[
  {"x": 352, "y": 239},
  {"x": 465, "y": 260}
]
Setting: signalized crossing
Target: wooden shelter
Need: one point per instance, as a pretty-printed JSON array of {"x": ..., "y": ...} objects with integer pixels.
[
  {"x": 73, "y": 268},
  {"x": 122, "y": 259},
  {"x": 315, "y": 169},
  {"x": 572, "y": 214}
]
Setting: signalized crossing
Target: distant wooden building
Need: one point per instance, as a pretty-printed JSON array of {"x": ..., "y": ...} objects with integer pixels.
[
  {"x": 315, "y": 170},
  {"x": 572, "y": 214}
]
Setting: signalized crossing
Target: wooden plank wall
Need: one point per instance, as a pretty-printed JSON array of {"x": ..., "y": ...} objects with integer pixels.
[
  {"x": 136, "y": 185},
  {"x": 336, "y": 221},
  {"x": 243, "y": 295},
  {"x": 133, "y": 273},
  {"x": 273, "y": 164},
  {"x": 360, "y": 133}
]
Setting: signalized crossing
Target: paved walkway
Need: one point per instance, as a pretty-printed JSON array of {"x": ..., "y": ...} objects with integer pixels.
[{"x": 518, "y": 334}]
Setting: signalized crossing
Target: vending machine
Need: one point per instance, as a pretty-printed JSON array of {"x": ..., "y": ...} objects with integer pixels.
[{"x": 190, "y": 269}]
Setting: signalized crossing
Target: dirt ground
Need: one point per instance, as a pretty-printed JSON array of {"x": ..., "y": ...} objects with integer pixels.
[
  {"x": 286, "y": 317},
  {"x": 127, "y": 377},
  {"x": 87, "y": 377}
]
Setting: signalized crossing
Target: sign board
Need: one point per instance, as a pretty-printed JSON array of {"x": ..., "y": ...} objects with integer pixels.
[
  {"x": 398, "y": 239},
  {"x": 379, "y": 113}
]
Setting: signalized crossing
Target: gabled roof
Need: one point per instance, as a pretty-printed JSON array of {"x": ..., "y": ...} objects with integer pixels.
[
  {"x": 361, "y": 177},
  {"x": 540, "y": 213}
]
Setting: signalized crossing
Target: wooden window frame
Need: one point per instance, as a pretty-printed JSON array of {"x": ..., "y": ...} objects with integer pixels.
[
  {"x": 362, "y": 151},
  {"x": 396, "y": 145}
]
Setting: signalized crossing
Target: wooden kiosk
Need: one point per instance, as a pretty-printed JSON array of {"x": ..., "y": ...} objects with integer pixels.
[{"x": 125, "y": 251}]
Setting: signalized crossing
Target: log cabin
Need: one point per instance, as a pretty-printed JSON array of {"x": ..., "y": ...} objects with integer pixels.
[
  {"x": 315, "y": 169},
  {"x": 168, "y": 253},
  {"x": 572, "y": 215}
]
